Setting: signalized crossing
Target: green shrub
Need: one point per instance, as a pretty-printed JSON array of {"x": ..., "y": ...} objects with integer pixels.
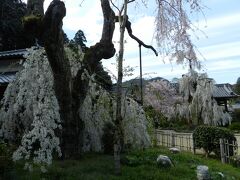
[
  {"x": 157, "y": 118},
  {"x": 235, "y": 161},
  {"x": 236, "y": 115},
  {"x": 3, "y": 149},
  {"x": 5, "y": 160},
  {"x": 207, "y": 137},
  {"x": 135, "y": 158},
  {"x": 235, "y": 126},
  {"x": 108, "y": 138}
]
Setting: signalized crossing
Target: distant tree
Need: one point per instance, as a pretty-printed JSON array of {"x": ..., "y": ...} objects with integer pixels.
[
  {"x": 194, "y": 102},
  {"x": 175, "y": 80},
  {"x": 65, "y": 38},
  {"x": 237, "y": 86},
  {"x": 162, "y": 97},
  {"x": 198, "y": 105},
  {"x": 80, "y": 39},
  {"x": 102, "y": 77},
  {"x": 12, "y": 35},
  {"x": 238, "y": 80}
]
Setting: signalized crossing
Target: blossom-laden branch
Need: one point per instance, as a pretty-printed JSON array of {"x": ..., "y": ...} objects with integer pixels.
[
  {"x": 199, "y": 106},
  {"x": 172, "y": 29},
  {"x": 141, "y": 43},
  {"x": 162, "y": 97}
]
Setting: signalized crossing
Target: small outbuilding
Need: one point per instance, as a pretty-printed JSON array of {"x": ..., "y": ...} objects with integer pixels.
[
  {"x": 222, "y": 93},
  {"x": 10, "y": 63}
]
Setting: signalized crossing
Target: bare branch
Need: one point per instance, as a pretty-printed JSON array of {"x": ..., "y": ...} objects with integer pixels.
[
  {"x": 120, "y": 13},
  {"x": 81, "y": 3},
  {"x": 115, "y": 5},
  {"x": 129, "y": 29},
  {"x": 130, "y": 1},
  {"x": 104, "y": 49}
]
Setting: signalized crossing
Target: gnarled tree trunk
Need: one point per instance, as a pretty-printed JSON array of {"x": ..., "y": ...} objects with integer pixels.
[
  {"x": 53, "y": 43},
  {"x": 70, "y": 92},
  {"x": 35, "y": 7}
]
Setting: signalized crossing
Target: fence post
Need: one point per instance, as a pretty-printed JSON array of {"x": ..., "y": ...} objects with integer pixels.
[
  {"x": 168, "y": 135},
  {"x": 222, "y": 151},
  {"x": 193, "y": 144},
  {"x": 163, "y": 140},
  {"x": 173, "y": 139},
  {"x": 155, "y": 138},
  {"x": 227, "y": 144}
]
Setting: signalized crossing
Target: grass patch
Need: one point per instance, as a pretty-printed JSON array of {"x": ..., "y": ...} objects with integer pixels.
[{"x": 135, "y": 165}]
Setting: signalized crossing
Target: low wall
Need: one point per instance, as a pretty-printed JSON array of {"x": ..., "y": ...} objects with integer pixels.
[{"x": 184, "y": 141}]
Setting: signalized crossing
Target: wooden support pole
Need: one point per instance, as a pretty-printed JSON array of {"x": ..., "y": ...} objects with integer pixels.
[
  {"x": 173, "y": 139},
  {"x": 222, "y": 151}
]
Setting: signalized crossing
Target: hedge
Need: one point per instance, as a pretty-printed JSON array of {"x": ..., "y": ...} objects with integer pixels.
[{"x": 207, "y": 137}]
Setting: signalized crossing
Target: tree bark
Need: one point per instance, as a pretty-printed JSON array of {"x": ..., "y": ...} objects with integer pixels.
[
  {"x": 104, "y": 49},
  {"x": 54, "y": 46},
  {"x": 35, "y": 7}
]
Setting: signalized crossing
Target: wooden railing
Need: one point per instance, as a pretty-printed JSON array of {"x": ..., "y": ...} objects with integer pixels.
[{"x": 185, "y": 142}]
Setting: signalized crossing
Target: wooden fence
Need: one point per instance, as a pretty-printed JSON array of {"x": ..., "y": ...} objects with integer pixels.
[
  {"x": 228, "y": 150},
  {"x": 184, "y": 141}
]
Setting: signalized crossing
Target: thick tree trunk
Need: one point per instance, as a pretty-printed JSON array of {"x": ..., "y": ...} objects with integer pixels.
[
  {"x": 35, "y": 7},
  {"x": 70, "y": 92},
  {"x": 50, "y": 33},
  {"x": 54, "y": 45}
]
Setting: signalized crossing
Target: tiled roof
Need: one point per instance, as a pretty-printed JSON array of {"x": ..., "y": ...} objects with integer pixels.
[
  {"x": 223, "y": 91},
  {"x": 13, "y": 53},
  {"x": 174, "y": 85},
  {"x": 7, "y": 77},
  {"x": 219, "y": 90}
]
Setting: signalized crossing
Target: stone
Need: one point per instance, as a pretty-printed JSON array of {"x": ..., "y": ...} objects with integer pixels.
[
  {"x": 221, "y": 174},
  {"x": 164, "y": 161},
  {"x": 174, "y": 150},
  {"x": 202, "y": 173},
  {"x": 236, "y": 161}
]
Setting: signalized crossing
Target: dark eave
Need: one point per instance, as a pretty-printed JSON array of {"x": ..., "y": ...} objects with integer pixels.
[
  {"x": 224, "y": 91},
  {"x": 13, "y": 54},
  {"x": 6, "y": 78}
]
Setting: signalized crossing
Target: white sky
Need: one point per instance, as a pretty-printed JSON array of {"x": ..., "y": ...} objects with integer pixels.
[{"x": 221, "y": 47}]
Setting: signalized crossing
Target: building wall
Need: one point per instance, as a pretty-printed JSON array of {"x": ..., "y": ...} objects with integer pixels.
[{"x": 10, "y": 65}]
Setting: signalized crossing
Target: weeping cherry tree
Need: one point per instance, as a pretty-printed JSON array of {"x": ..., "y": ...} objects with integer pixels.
[
  {"x": 172, "y": 28},
  {"x": 198, "y": 104}
]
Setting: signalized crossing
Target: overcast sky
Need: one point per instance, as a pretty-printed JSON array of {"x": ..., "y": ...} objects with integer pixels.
[{"x": 219, "y": 44}]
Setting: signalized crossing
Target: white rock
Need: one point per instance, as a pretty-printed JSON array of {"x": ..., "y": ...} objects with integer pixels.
[
  {"x": 174, "y": 150},
  {"x": 202, "y": 172},
  {"x": 164, "y": 161},
  {"x": 221, "y": 174}
]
